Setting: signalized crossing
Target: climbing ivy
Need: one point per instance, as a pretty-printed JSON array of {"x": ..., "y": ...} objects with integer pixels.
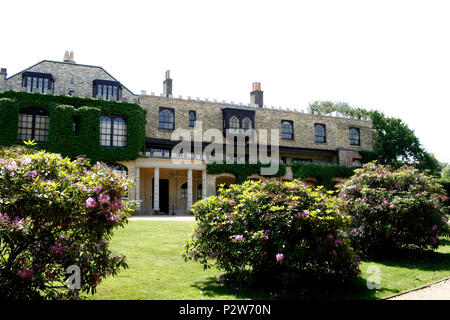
[{"x": 63, "y": 110}]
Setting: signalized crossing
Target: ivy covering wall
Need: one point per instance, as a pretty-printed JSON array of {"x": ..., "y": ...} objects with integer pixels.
[{"x": 63, "y": 110}]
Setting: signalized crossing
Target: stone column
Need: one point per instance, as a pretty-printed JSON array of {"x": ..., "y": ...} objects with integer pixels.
[
  {"x": 204, "y": 184},
  {"x": 138, "y": 183},
  {"x": 189, "y": 190},
  {"x": 211, "y": 186},
  {"x": 156, "y": 192},
  {"x": 137, "y": 193}
]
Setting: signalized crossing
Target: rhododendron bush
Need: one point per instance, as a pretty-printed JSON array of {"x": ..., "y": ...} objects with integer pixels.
[
  {"x": 56, "y": 214},
  {"x": 273, "y": 230},
  {"x": 394, "y": 209}
]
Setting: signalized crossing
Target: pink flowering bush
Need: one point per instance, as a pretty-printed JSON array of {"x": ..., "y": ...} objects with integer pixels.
[
  {"x": 56, "y": 213},
  {"x": 392, "y": 210},
  {"x": 274, "y": 230}
]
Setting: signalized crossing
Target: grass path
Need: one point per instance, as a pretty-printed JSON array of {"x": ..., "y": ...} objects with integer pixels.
[{"x": 157, "y": 270}]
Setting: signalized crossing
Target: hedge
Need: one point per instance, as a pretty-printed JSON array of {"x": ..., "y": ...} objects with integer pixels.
[
  {"x": 242, "y": 171},
  {"x": 63, "y": 110},
  {"x": 324, "y": 173}
]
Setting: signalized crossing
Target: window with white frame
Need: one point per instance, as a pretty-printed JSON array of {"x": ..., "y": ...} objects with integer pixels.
[
  {"x": 113, "y": 131},
  {"x": 33, "y": 125},
  {"x": 287, "y": 130},
  {"x": 166, "y": 119}
]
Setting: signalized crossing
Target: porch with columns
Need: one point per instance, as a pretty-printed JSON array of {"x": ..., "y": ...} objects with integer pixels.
[{"x": 169, "y": 189}]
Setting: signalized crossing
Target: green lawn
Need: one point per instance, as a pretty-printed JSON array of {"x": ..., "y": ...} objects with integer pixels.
[{"x": 158, "y": 271}]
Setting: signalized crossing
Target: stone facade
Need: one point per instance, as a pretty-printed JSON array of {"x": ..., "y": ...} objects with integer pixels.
[
  {"x": 69, "y": 79},
  {"x": 210, "y": 114}
]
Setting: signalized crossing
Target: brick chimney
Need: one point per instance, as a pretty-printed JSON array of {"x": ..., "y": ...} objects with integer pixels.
[
  {"x": 256, "y": 96},
  {"x": 3, "y": 73},
  {"x": 167, "y": 85}
]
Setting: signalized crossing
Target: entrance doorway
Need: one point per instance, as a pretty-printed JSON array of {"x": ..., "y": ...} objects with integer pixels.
[{"x": 163, "y": 195}]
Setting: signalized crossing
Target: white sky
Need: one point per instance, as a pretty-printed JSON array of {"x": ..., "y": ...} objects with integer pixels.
[{"x": 393, "y": 56}]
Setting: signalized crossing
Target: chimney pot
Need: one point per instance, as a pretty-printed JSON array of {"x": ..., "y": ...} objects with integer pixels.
[
  {"x": 68, "y": 57},
  {"x": 256, "y": 86}
]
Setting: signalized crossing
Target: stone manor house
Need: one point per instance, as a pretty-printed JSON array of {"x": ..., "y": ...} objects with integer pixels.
[{"x": 165, "y": 187}]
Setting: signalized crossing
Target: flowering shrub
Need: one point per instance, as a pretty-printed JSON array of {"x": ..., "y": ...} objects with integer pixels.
[
  {"x": 273, "y": 229},
  {"x": 394, "y": 209},
  {"x": 56, "y": 213}
]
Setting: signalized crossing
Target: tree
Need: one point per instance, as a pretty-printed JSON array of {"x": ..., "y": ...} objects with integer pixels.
[
  {"x": 395, "y": 143},
  {"x": 445, "y": 176},
  {"x": 57, "y": 216}
]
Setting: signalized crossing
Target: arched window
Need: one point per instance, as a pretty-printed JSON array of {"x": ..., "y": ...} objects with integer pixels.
[
  {"x": 199, "y": 192},
  {"x": 183, "y": 193},
  {"x": 166, "y": 119},
  {"x": 246, "y": 124},
  {"x": 319, "y": 133},
  {"x": 354, "y": 137},
  {"x": 113, "y": 131},
  {"x": 287, "y": 130},
  {"x": 357, "y": 163},
  {"x": 33, "y": 125},
  {"x": 119, "y": 169},
  {"x": 192, "y": 118},
  {"x": 234, "y": 124}
]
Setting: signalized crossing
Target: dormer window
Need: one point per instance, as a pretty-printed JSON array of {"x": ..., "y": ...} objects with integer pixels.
[
  {"x": 37, "y": 80},
  {"x": 107, "y": 89},
  {"x": 234, "y": 125},
  {"x": 237, "y": 121},
  {"x": 246, "y": 124}
]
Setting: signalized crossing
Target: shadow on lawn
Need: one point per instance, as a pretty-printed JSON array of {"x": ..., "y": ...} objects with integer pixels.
[
  {"x": 215, "y": 287},
  {"x": 323, "y": 290},
  {"x": 425, "y": 261}
]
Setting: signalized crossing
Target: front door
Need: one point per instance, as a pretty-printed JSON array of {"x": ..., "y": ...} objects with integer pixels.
[{"x": 163, "y": 195}]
